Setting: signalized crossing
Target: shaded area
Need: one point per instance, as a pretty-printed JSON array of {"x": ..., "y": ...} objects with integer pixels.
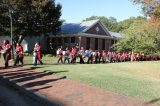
[
  {"x": 153, "y": 101},
  {"x": 26, "y": 76},
  {"x": 17, "y": 70},
  {"x": 55, "y": 72},
  {"x": 38, "y": 83},
  {"x": 12, "y": 95},
  {"x": 37, "y": 89},
  {"x": 23, "y": 75}
]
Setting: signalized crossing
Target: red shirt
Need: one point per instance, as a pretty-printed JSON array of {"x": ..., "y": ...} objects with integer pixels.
[
  {"x": 19, "y": 48},
  {"x": 8, "y": 46}
]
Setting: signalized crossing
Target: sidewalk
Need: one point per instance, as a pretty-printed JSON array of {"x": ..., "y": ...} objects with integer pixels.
[{"x": 67, "y": 92}]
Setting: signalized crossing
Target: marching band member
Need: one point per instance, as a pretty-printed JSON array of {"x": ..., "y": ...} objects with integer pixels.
[
  {"x": 66, "y": 55},
  {"x": 60, "y": 55},
  {"x": 6, "y": 52},
  {"x": 19, "y": 54},
  {"x": 37, "y": 54},
  {"x": 104, "y": 55}
]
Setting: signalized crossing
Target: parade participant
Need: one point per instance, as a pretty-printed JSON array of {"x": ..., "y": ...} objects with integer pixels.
[
  {"x": 121, "y": 57},
  {"x": 0, "y": 51},
  {"x": 19, "y": 54},
  {"x": 66, "y": 55},
  {"x": 126, "y": 57},
  {"x": 90, "y": 57},
  {"x": 77, "y": 47},
  {"x": 74, "y": 53},
  {"x": 99, "y": 56},
  {"x": 96, "y": 56},
  {"x": 6, "y": 52},
  {"x": 110, "y": 57},
  {"x": 81, "y": 56},
  {"x": 104, "y": 56},
  {"x": 37, "y": 54},
  {"x": 114, "y": 57},
  {"x": 132, "y": 57},
  {"x": 0, "y": 48},
  {"x": 60, "y": 55}
]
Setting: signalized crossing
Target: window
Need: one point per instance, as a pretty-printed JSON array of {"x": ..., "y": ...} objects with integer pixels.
[
  {"x": 66, "y": 40},
  {"x": 103, "y": 44},
  {"x": 72, "y": 39},
  {"x": 59, "y": 40}
]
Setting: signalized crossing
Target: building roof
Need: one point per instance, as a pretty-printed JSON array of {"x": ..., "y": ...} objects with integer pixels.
[
  {"x": 116, "y": 35},
  {"x": 73, "y": 28},
  {"x": 81, "y": 28}
]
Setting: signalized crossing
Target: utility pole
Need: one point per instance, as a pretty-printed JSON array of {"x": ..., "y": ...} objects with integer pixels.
[{"x": 10, "y": 15}]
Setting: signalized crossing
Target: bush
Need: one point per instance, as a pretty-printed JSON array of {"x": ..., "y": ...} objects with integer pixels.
[
  {"x": 27, "y": 54},
  {"x": 49, "y": 55}
]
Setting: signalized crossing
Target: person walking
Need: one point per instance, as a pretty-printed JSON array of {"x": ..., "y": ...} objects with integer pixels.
[
  {"x": 6, "y": 52},
  {"x": 19, "y": 54},
  {"x": 37, "y": 54}
]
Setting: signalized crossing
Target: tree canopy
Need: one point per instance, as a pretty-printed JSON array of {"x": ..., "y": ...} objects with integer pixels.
[
  {"x": 143, "y": 35},
  {"x": 30, "y": 17}
]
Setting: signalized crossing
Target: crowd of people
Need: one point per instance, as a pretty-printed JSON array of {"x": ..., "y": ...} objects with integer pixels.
[
  {"x": 76, "y": 54},
  {"x": 5, "y": 51},
  {"x": 99, "y": 56}
]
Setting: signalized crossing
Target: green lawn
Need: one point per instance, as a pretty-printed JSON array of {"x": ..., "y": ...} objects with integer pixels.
[{"x": 137, "y": 79}]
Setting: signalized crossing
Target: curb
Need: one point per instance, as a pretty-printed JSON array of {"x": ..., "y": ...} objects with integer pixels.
[{"x": 42, "y": 99}]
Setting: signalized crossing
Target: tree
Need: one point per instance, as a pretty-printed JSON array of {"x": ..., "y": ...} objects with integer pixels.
[
  {"x": 141, "y": 37},
  {"x": 31, "y": 17},
  {"x": 110, "y": 23},
  {"x": 149, "y": 7}
]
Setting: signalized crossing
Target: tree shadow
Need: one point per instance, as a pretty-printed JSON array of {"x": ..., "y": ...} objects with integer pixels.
[
  {"x": 35, "y": 90},
  {"x": 25, "y": 74},
  {"x": 55, "y": 72},
  {"x": 38, "y": 83},
  {"x": 13, "y": 74},
  {"x": 153, "y": 101},
  {"x": 31, "y": 76},
  {"x": 28, "y": 69}
]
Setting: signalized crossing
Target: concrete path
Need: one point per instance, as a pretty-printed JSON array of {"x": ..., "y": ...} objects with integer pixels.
[{"x": 66, "y": 92}]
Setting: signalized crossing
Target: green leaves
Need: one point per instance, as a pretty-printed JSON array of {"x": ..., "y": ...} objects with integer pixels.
[
  {"x": 31, "y": 17},
  {"x": 141, "y": 37}
]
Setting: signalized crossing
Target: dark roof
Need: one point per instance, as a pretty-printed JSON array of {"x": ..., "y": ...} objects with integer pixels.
[
  {"x": 116, "y": 35},
  {"x": 73, "y": 28}
]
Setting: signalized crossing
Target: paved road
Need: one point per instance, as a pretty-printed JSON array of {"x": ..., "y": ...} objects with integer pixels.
[{"x": 13, "y": 97}]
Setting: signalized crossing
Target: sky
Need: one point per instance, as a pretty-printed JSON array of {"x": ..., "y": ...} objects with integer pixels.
[{"x": 77, "y": 10}]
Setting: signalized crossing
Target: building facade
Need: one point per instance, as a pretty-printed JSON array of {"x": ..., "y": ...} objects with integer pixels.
[{"x": 88, "y": 34}]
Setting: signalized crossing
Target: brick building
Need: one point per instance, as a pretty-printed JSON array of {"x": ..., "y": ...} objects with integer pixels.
[{"x": 88, "y": 34}]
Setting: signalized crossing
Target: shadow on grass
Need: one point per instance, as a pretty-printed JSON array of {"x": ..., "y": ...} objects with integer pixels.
[
  {"x": 42, "y": 82},
  {"x": 153, "y": 101},
  {"x": 55, "y": 72},
  {"x": 37, "y": 89}
]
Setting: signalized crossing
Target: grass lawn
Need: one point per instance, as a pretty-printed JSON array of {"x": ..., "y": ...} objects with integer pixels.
[{"x": 136, "y": 79}]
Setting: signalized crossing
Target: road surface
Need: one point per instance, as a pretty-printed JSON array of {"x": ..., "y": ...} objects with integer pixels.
[{"x": 12, "y": 97}]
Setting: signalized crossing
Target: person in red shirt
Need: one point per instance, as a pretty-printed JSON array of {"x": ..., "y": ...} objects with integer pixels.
[
  {"x": 19, "y": 54},
  {"x": 81, "y": 54},
  {"x": 104, "y": 55},
  {"x": 60, "y": 55},
  {"x": 6, "y": 52},
  {"x": 66, "y": 54},
  {"x": 74, "y": 55}
]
